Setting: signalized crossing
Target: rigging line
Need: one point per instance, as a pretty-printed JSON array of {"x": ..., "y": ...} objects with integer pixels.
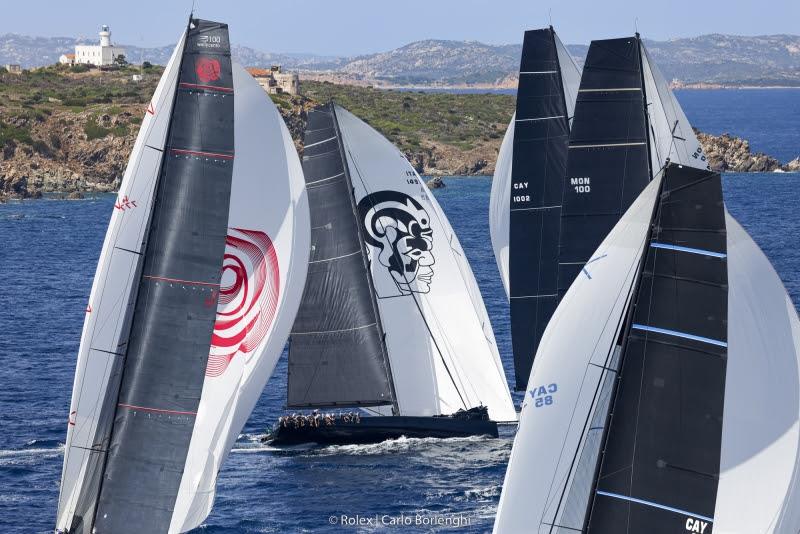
[{"x": 412, "y": 295}]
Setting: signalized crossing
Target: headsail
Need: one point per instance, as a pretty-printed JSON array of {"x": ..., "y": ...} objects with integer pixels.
[
  {"x": 682, "y": 448},
  {"x": 527, "y": 190},
  {"x": 440, "y": 341},
  {"x": 191, "y": 348},
  {"x": 337, "y": 356},
  {"x": 570, "y": 369}
]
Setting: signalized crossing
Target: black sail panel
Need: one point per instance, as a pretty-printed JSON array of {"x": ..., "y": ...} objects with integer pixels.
[
  {"x": 660, "y": 468},
  {"x": 337, "y": 356},
  {"x": 175, "y": 309},
  {"x": 608, "y": 165},
  {"x": 541, "y": 137}
]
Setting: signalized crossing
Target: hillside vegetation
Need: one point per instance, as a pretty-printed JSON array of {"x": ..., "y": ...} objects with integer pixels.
[{"x": 72, "y": 132}]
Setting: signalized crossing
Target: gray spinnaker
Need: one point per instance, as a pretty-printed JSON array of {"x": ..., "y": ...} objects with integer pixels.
[
  {"x": 337, "y": 355},
  {"x": 175, "y": 309}
]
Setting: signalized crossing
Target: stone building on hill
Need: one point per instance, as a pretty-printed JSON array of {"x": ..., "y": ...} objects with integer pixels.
[{"x": 275, "y": 81}]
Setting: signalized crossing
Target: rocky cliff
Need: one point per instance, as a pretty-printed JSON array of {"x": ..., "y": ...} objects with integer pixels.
[{"x": 73, "y": 151}]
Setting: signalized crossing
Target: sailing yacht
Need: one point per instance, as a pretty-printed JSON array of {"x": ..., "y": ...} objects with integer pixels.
[
  {"x": 527, "y": 188},
  {"x": 196, "y": 289},
  {"x": 391, "y": 321},
  {"x": 677, "y": 408}
]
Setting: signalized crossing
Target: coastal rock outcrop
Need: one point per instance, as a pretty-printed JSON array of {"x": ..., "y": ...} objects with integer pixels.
[{"x": 727, "y": 153}]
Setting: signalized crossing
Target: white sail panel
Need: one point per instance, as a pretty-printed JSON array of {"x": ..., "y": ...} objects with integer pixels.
[
  {"x": 499, "y": 214},
  {"x": 567, "y": 370},
  {"x": 671, "y": 136},
  {"x": 570, "y": 76},
  {"x": 759, "y": 489},
  {"x": 430, "y": 306},
  {"x": 106, "y": 325},
  {"x": 264, "y": 272}
]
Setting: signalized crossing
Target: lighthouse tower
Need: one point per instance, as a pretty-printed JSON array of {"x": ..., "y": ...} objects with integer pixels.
[
  {"x": 99, "y": 55},
  {"x": 105, "y": 36}
]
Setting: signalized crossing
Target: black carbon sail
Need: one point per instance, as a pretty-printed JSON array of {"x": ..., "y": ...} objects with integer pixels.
[
  {"x": 541, "y": 139},
  {"x": 609, "y": 162},
  {"x": 337, "y": 354},
  {"x": 175, "y": 310},
  {"x": 660, "y": 462}
]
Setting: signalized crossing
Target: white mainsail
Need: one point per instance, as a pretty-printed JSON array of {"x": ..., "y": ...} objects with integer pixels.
[
  {"x": 266, "y": 260},
  {"x": 759, "y": 485},
  {"x": 441, "y": 345},
  {"x": 113, "y": 292},
  {"x": 578, "y": 343},
  {"x": 570, "y": 76}
]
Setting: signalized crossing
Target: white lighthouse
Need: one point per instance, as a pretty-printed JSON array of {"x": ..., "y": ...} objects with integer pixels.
[{"x": 101, "y": 55}]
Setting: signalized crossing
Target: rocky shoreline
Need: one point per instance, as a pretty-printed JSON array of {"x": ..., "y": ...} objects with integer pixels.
[{"x": 77, "y": 153}]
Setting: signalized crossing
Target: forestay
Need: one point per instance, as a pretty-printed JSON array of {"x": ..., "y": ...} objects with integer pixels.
[
  {"x": 528, "y": 188},
  {"x": 263, "y": 275},
  {"x": 441, "y": 345}
]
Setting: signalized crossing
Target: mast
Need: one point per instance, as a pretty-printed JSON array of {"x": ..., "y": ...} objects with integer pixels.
[
  {"x": 646, "y": 114},
  {"x": 373, "y": 301}
]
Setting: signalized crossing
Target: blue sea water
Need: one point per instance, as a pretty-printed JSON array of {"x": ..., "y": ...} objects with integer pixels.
[{"x": 48, "y": 253}]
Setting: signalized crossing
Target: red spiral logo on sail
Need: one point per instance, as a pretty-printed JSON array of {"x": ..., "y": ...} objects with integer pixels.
[{"x": 248, "y": 297}]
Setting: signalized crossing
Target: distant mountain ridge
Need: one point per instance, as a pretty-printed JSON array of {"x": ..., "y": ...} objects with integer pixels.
[{"x": 711, "y": 59}]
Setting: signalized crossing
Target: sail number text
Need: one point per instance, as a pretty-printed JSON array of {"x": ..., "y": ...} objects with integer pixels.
[
  {"x": 543, "y": 395},
  {"x": 518, "y": 188},
  {"x": 581, "y": 185}
]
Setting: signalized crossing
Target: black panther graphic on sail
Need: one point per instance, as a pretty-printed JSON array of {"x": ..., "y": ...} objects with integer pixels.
[{"x": 399, "y": 238}]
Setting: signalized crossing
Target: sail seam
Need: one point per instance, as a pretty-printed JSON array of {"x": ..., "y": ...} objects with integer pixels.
[
  {"x": 533, "y": 296},
  {"x": 654, "y": 505},
  {"x": 539, "y": 72},
  {"x": 156, "y": 410}
]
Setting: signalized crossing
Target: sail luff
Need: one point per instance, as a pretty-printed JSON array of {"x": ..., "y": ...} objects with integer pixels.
[{"x": 361, "y": 242}]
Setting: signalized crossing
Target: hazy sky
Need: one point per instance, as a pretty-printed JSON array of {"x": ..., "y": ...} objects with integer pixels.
[{"x": 348, "y": 27}]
